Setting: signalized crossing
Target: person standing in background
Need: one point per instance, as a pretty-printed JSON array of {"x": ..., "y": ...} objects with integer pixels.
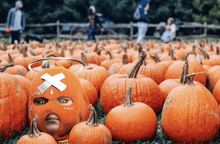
[
  {"x": 143, "y": 21},
  {"x": 93, "y": 20},
  {"x": 171, "y": 22},
  {"x": 16, "y": 21}
]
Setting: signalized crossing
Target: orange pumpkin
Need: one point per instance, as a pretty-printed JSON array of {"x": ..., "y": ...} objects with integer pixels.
[
  {"x": 17, "y": 70},
  {"x": 127, "y": 125},
  {"x": 90, "y": 132},
  {"x": 56, "y": 94},
  {"x": 145, "y": 90},
  {"x": 13, "y": 104},
  {"x": 190, "y": 114},
  {"x": 35, "y": 136}
]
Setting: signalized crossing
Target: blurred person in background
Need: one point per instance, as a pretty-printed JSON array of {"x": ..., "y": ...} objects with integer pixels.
[
  {"x": 171, "y": 23},
  {"x": 143, "y": 20},
  {"x": 16, "y": 21},
  {"x": 170, "y": 33},
  {"x": 93, "y": 21}
]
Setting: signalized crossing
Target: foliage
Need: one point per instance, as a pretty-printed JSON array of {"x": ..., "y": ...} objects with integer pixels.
[{"x": 119, "y": 11}]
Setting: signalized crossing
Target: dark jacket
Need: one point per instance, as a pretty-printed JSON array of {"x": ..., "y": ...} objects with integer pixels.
[
  {"x": 11, "y": 16},
  {"x": 93, "y": 20},
  {"x": 144, "y": 14}
]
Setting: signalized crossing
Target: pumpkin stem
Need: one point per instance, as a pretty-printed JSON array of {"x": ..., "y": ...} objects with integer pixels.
[
  {"x": 4, "y": 67},
  {"x": 111, "y": 55},
  {"x": 46, "y": 65},
  {"x": 100, "y": 50},
  {"x": 128, "y": 101},
  {"x": 85, "y": 50},
  {"x": 120, "y": 49},
  {"x": 140, "y": 49},
  {"x": 10, "y": 58},
  {"x": 72, "y": 49},
  {"x": 125, "y": 59},
  {"x": 185, "y": 72},
  {"x": 134, "y": 71},
  {"x": 198, "y": 58},
  {"x": 24, "y": 51},
  {"x": 211, "y": 47},
  {"x": 155, "y": 58},
  {"x": 171, "y": 53},
  {"x": 32, "y": 52},
  {"x": 93, "y": 119},
  {"x": 217, "y": 51},
  {"x": 186, "y": 56},
  {"x": 190, "y": 78},
  {"x": 33, "y": 131},
  {"x": 194, "y": 48},
  {"x": 96, "y": 47},
  {"x": 62, "y": 53},
  {"x": 84, "y": 59},
  {"x": 206, "y": 56}
]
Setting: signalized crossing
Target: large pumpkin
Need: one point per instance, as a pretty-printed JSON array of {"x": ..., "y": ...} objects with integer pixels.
[
  {"x": 145, "y": 90},
  {"x": 57, "y": 97},
  {"x": 13, "y": 103},
  {"x": 132, "y": 121},
  {"x": 190, "y": 114}
]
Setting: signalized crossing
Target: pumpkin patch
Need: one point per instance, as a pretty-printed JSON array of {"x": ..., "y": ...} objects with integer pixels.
[{"x": 125, "y": 93}]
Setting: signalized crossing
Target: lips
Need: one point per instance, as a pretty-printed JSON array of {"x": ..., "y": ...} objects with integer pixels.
[{"x": 51, "y": 117}]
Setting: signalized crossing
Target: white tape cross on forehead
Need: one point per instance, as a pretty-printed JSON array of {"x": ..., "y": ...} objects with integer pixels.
[{"x": 52, "y": 81}]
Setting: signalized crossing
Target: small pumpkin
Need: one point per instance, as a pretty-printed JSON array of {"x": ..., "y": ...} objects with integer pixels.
[
  {"x": 132, "y": 121},
  {"x": 35, "y": 136},
  {"x": 90, "y": 132}
]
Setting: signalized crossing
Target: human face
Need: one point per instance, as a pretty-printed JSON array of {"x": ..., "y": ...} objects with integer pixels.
[
  {"x": 52, "y": 121},
  {"x": 169, "y": 22},
  {"x": 20, "y": 6},
  {"x": 93, "y": 10}
]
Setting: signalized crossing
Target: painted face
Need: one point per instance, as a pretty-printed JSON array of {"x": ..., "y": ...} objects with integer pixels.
[{"x": 57, "y": 99}]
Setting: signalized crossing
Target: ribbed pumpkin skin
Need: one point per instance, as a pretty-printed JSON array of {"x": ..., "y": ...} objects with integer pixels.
[
  {"x": 168, "y": 85},
  {"x": 17, "y": 70},
  {"x": 145, "y": 90},
  {"x": 24, "y": 83},
  {"x": 97, "y": 75},
  {"x": 175, "y": 71},
  {"x": 190, "y": 115},
  {"x": 213, "y": 76},
  {"x": 85, "y": 134},
  {"x": 13, "y": 103},
  {"x": 129, "y": 124},
  {"x": 89, "y": 91},
  {"x": 42, "y": 139},
  {"x": 216, "y": 92}
]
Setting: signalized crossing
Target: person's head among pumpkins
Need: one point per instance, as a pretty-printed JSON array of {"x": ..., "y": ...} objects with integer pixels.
[{"x": 57, "y": 99}]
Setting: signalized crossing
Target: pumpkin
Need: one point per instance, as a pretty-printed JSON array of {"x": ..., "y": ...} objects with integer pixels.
[
  {"x": 8, "y": 30},
  {"x": 212, "y": 77},
  {"x": 24, "y": 83},
  {"x": 17, "y": 70},
  {"x": 168, "y": 85},
  {"x": 145, "y": 90},
  {"x": 93, "y": 73},
  {"x": 115, "y": 68},
  {"x": 90, "y": 132},
  {"x": 216, "y": 91},
  {"x": 190, "y": 114},
  {"x": 90, "y": 92},
  {"x": 175, "y": 70},
  {"x": 35, "y": 136},
  {"x": 107, "y": 63},
  {"x": 127, "y": 125},
  {"x": 13, "y": 103},
  {"x": 60, "y": 105}
]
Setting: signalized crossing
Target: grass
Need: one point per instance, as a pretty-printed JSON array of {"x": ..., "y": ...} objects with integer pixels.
[{"x": 159, "y": 139}]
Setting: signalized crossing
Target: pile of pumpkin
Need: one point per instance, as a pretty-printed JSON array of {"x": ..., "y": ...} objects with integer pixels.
[{"x": 134, "y": 83}]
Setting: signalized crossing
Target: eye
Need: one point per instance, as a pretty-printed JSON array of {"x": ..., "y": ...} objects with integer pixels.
[
  {"x": 40, "y": 101},
  {"x": 64, "y": 101}
]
